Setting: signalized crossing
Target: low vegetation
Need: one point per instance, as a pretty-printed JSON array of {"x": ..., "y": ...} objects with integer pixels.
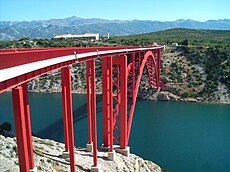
[
  {"x": 199, "y": 72},
  {"x": 181, "y": 36}
]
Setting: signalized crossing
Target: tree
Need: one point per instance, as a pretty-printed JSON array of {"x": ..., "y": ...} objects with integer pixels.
[
  {"x": 24, "y": 39},
  {"x": 5, "y": 129},
  {"x": 185, "y": 42}
]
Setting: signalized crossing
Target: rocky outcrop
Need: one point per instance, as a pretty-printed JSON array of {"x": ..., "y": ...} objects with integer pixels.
[
  {"x": 48, "y": 158},
  {"x": 162, "y": 96},
  {"x": 189, "y": 99},
  {"x": 167, "y": 96},
  {"x": 221, "y": 95}
]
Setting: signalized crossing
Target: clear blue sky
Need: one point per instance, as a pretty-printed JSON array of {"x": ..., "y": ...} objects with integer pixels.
[{"x": 162, "y": 10}]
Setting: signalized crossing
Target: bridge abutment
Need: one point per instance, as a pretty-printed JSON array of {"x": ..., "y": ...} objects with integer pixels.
[
  {"x": 96, "y": 168},
  {"x": 124, "y": 152},
  {"x": 111, "y": 155},
  {"x": 89, "y": 147}
]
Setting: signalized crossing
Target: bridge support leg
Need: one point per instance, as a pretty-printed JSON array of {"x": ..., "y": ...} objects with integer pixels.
[
  {"x": 111, "y": 154},
  {"x": 107, "y": 100},
  {"x": 89, "y": 146},
  {"x": 28, "y": 128},
  {"x": 65, "y": 113},
  {"x": 123, "y": 87},
  {"x": 94, "y": 116},
  {"x": 20, "y": 126},
  {"x": 133, "y": 100},
  {"x": 158, "y": 67},
  {"x": 107, "y": 105},
  {"x": 66, "y": 81}
]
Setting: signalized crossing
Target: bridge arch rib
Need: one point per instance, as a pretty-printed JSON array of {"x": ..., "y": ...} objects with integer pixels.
[
  {"x": 149, "y": 62},
  {"x": 124, "y": 92}
]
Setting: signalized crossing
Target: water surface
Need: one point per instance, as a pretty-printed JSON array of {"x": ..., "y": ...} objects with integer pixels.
[{"x": 180, "y": 137}]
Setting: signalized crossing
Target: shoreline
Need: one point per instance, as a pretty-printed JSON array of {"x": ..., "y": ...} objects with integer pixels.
[
  {"x": 186, "y": 100},
  {"x": 139, "y": 98}
]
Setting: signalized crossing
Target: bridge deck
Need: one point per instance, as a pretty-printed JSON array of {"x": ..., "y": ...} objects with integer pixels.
[{"x": 11, "y": 72}]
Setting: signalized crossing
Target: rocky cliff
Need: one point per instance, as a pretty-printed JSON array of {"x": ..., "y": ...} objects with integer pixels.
[
  {"x": 48, "y": 157},
  {"x": 181, "y": 80}
]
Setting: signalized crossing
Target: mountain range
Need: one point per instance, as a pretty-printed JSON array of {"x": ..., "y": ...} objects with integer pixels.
[{"x": 11, "y": 30}]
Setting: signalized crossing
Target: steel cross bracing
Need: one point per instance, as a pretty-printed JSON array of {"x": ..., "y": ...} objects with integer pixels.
[
  {"x": 122, "y": 69},
  {"x": 122, "y": 113}
]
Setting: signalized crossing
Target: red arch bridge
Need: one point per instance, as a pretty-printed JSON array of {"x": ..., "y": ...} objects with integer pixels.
[{"x": 122, "y": 69}]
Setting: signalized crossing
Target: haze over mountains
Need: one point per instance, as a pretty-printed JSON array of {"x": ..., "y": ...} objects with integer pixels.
[{"x": 10, "y": 30}]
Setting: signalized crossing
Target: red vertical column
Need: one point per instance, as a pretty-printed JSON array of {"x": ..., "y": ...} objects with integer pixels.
[
  {"x": 123, "y": 87},
  {"x": 28, "y": 126},
  {"x": 131, "y": 112},
  {"x": 139, "y": 60},
  {"x": 105, "y": 102},
  {"x": 158, "y": 67},
  {"x": 133, "y": 76},
  {"x": 94, "y": 116},
  {"x": 67, "y": 82},
  {"x": 64, "y": 109},
  {"x": 110, "y": 106},
  {"x": 88, "y": 84},
  {"x": 20, "y": 126}
]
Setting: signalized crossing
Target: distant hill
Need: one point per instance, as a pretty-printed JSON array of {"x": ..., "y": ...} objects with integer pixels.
[
  {"x": 49, "y": 28},
  {"x": 193, "y": 36}
]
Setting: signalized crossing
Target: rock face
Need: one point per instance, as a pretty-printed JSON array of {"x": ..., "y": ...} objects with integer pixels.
[
  {"x": 167, "y": 96},
  {"x": 48, "y": 157}
]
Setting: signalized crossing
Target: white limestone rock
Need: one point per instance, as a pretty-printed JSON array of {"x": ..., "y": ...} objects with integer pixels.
[{"x": 48, "y": 157}]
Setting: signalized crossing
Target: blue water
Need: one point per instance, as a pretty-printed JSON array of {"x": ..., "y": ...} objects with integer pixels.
[{"x": 180, "y": 137}]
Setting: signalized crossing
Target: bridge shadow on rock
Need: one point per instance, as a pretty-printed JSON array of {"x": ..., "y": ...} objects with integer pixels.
[{"x": 56, "y": 128}]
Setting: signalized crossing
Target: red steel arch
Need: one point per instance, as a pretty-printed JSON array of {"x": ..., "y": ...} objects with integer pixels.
[
  {"x": 150, "y": 63},
  {"x": 121, "y": 80}
]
